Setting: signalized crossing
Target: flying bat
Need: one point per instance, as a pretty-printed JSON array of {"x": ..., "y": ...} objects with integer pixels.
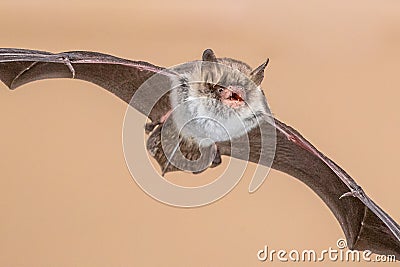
[{"x": 365, "y": 225}]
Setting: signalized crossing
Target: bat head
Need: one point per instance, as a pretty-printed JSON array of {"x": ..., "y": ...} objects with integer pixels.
[{"x": 221, "y": 89}]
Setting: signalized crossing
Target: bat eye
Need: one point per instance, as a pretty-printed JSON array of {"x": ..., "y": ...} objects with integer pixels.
[
  {"x": 219, "y": 88},
  {"x": 210, "y": 85},
  {"x": 216, "y": 87}
]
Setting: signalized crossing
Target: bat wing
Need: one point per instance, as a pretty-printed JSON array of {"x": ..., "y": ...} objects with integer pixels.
[
  {"x": 365, "y": 225},
  {"x": 119, "y": 76}
]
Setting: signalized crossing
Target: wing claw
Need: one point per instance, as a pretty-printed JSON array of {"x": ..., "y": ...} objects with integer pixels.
[
  {"x": 67, "y": 62},
  {"x": 356, "y": 192},
  {"x": 149, "y": 127}
]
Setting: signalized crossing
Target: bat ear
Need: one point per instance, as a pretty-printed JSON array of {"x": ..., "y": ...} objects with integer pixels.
[
  {"x": 208, "y": 55},
  {"x": 257, "y": 75}
]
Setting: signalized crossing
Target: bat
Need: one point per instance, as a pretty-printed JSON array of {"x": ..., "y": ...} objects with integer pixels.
[{"x": 365, "y": 225}]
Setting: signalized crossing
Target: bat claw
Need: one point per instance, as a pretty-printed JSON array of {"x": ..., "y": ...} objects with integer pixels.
[
  {"x": 347, "y": 194},
  {"x": 67, "y": 62},
  {"x": 149, "y": 127},
  {"x": 356, "y": 192}
]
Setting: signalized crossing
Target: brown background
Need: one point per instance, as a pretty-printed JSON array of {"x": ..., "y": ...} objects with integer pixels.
[{"x": 66, "y": 196}]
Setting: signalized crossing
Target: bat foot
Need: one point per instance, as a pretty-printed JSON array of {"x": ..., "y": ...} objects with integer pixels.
[{"x": 356, "y": 192}]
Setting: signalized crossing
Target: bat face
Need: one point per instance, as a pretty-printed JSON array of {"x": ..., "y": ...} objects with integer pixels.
[{"x": 221, "y": 96}]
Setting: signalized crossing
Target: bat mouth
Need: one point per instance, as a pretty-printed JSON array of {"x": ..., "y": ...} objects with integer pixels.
[{"x": 233, "y": 96}]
